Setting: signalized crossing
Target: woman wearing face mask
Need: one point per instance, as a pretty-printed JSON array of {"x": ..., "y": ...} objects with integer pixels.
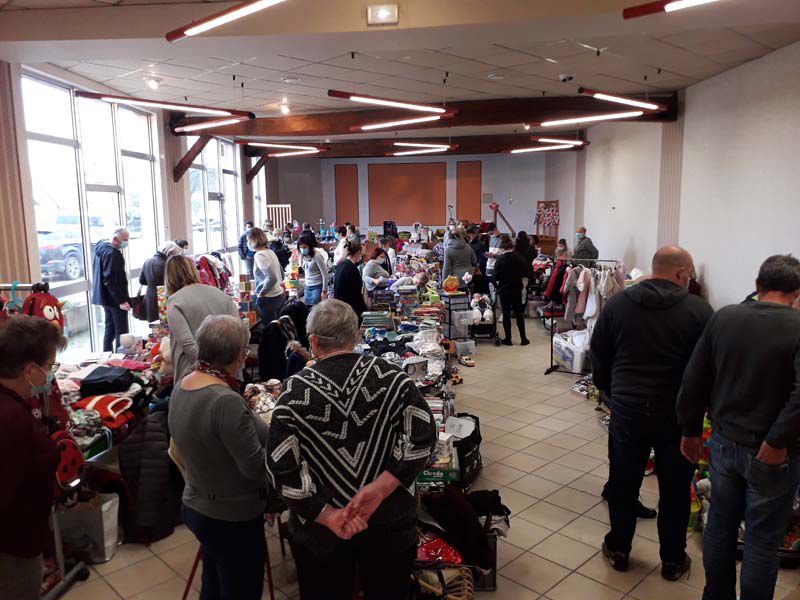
[
  {"x": 347, "y": 284},
  {"x": 374, "y": 275},
  {"x": 220, "y": 443},
  {"x": 340, "y": 254},
  {"x": 30, "y": 457},
  {"x": 562, "y": 250},
  {"x": 268, "y": 274},
  {"x": 315, "y": 267}
]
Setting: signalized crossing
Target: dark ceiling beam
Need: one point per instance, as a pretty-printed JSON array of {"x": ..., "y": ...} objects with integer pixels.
[
  {"x": 500, "y": 111},
  {"x": 251, "y": 174},
  {"x": 183, "y": 164},
  {"x": 475, "y": 144}
]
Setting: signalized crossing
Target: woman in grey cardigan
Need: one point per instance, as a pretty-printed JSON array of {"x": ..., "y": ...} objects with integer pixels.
[
  {"x": 459, "y": 258},
  {"x": 190, "y": 302},
  {"x": 220, "y": 445},
  {"x": 374, "y": 275}
]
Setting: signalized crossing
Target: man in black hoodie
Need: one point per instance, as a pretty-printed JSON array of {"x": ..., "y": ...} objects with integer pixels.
[
  {"x": 110, "y": 287},
  {"x": 641, "y": 344},
  {"x": 746, "y": 372}
]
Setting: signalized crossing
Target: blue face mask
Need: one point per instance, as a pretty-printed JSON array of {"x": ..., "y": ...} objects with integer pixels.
[
  {"x": 123, "y": 245},
  {"x": 305, "y": 251},
  {"x": 580, "y": 236},
  {"x": 44, "y": 389}
]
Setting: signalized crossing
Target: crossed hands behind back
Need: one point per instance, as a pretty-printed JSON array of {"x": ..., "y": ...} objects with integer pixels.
[{"x": 354, "y": 518}]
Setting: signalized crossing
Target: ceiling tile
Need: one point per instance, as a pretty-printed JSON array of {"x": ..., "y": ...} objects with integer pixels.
[
  {"x": 98, "y": 72},
  {"x": 334, "y": 72},
  {"x": 468, "y": 67},
  {"x": 774, "y": 36},
  {"x": 373, "y": 64},
  {"x": 429, "y": 75},
  {"x": 555, "y": 49},
  {"x": 50, "y": 4},
  {"x": 276, "y": 62},
  {"x": 706, "y": 43},
  {"x": 733, "y": 58},
  {"x": 198, "y": 62},
  {"x": 422, "y": 58},
  {"x": 478, "y": 51},
  {"x": 509, "y": 59}
]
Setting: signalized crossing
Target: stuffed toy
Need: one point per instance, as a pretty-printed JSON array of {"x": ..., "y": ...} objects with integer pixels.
[
  {"x": 450, "y": 284},
  {"x": 481, "y": 309},
  {"x": 41, "y": 303}
]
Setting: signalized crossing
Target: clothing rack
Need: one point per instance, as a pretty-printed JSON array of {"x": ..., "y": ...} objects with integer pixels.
[{"x": 553, "y": 366}]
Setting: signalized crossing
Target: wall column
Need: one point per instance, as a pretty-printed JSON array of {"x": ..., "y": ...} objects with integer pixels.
[
  {"x": 176, "y": 195},
  {"x": 669, "y": 200},
  {"x": 248, "y": 211}
]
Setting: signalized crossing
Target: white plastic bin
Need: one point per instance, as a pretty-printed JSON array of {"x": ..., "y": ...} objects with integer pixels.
[{"x": 465, "y": 348}]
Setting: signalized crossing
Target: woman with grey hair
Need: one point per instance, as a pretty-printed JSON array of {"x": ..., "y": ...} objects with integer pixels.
[
  {"x": 347, "y": 440},
  {"x": 152, "y": 276},
  {"x": 220, "y": 443}
]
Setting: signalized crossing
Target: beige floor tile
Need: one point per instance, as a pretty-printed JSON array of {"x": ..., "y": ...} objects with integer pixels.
[
  {"x": 535, "y": 433},
  {"x": 545, "y": 450},
  {"x": 561, "y": 400},
  {"x": 519, "y": 401},
  {"x": 595, "y": 450},
  {"x": 548, "y": 515},
  {"x": 586, "y": 530},
  {"x": 545, "y": 409},
  {"x": 285, "y": 577},
  {"x": 97, "y": 589},
  {"x": 602, "y": 470},
  {"x": 501, "y": 474},
  {"x": 599, "y": 513},
  {"x": 558, "y": 473},
  {"x": 573, "y": 500},
  {"x": 591, "y": 484},
  {"x": 534, "y": 486},
  {"x": 567, "y": 442},
  {"x": 554, "y": 423},
  {"x": 516, "y": 501},
  {"x": 170, "y": 589},
  {"x": 126, "y": 555},
  {"x": 140, "y": 577},
  {"x": 489, "y": 433},
  {"x": 526, "y": 416},
  {"x": 577, "y": 586},
  {"x": 655, "y": 587},
  {"x": 500, "y": 409},
  {"x": 181, "y": 535},
  {"x": 493, "y": 452},
  {"x": 508, "y": 590},
  {"x": 579, "y": 461},
  {"x": 586, "y": 432},
  {"x": 514, "y": 441},
  {"x": 598, "y": 569},
  {"x": 650, "y": 484},
  {"x": 524, "y": 462},
  {"x": 564, "y": 551},
  {"x": 524, "y": 534},
  {"x": 647, "y": 528},
  {"x": 510, "y": 424},
  {"x": 534, "y": 572},
  {"x": 507, "y": 552},
  {"x": 181, "y": 558}
]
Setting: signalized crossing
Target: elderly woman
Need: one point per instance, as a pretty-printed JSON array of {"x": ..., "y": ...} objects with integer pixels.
[
  {"x": 220, "y": 444},
  {"x": 28, "y": 346},
  {"x": 152, "y": 276},
  {"x": 347, "y": 440},
  {"x": 188, "y": 303}
]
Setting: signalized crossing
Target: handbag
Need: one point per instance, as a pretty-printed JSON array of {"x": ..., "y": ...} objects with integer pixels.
[
  {"x": 138, "y": 308},
  {"x": 106, "y": 380}
]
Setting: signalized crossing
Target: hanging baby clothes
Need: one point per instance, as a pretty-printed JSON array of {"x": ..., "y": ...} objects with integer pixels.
[
  {"x": 571, "y": 289},
  {"x": 583, "y": 286}
]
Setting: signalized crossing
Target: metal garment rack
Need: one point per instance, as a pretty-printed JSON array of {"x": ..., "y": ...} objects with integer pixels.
[{"x": 553, "y": 366}]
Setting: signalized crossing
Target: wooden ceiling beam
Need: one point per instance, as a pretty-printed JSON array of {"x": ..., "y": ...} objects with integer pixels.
[
  {"x": 501, "y": 111},
  {"x": 183, "y": 164},
  {"x": 251, "y": 174}
]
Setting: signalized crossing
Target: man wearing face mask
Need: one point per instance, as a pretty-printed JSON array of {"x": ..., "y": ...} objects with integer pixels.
[
  {"x": 28, "y": 346},
  {"x": 110, "y": 288},
  {"x": 584, "y": 247},
  {"x": 640, "y": 347}
]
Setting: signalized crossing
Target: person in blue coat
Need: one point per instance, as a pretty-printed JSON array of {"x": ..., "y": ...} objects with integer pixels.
[
  {"x": 110, "y": 287},
  {"x": 247, "y": 255}
]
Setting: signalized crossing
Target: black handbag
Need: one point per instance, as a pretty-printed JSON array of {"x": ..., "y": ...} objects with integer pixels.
[
  {"x": 138, "y": 308},
  {"x": 469, "y": 452},
  {"x": 106, "y": 380}
]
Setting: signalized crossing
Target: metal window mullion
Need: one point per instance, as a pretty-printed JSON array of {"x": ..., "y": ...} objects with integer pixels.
[
  {"x": 100, "y": 187},
  {"x": 141, "y": 155},
  {"x": 54, "y": 139}
]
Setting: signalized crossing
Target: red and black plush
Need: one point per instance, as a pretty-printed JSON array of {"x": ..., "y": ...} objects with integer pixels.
[{"x": 41, "y": 303}]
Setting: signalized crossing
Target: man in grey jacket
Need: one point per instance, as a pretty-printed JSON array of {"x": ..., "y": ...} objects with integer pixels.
[{"x": 584, "y": 247}]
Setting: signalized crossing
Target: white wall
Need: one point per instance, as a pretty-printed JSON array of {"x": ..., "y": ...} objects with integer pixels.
[
  {"x": 516, "y": 182},
  {"x": 622, "y": 191},
  {"x": 297, "y": 181},
  {"x": 560, "y": 184},
  {"x": 740, "y": 194}
]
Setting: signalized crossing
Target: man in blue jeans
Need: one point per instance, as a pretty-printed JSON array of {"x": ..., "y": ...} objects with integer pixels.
[
  {"x": 640, "y": 346},
  {"x": 746, "y": 372}
]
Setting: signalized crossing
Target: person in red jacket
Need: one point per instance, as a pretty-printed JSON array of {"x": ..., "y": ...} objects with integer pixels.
[{"x": 28, "y": 346}]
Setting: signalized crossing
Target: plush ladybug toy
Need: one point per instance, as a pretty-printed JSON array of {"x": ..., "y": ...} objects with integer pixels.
[
  {"x": 70, "y": 464},
  {"x": 41, "y": 303}
]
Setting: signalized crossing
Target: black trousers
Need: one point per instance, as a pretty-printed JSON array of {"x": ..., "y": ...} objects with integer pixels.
[
  {"x": 631, "y": 434},
  {"x": 382, "y": 555},
  {"x": 513, "y": 303},
  {"x": 116, "y": 323},
  {"x": 233, "y": 556}
]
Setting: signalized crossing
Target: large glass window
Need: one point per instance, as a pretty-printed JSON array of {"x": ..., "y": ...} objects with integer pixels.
[{"x": 92, "y": 168}]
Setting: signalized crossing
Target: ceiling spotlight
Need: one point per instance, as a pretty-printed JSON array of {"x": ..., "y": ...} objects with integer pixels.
[
  {"x": 621, "y": 99},
  {"x": 290, "y": 79},
  {"x": 152, "y": 82},
  {"x": 548, "y": 140},
  {"x": 285, "y": 109},
  {"x": 542, "y": 148},
  {"x": 593, "y": 118},
  {"x": 659, "y": 6},
  {"x": 526, "y": 127},
  {"x": 187, "y": 108},
  {"x": 385, "y": 102},
  {"x": 220, "y": 18},
  {"x": 389, "y": 124}
]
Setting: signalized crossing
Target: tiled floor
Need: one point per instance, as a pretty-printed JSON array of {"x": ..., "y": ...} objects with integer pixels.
[{"x": 543, "y": 450}]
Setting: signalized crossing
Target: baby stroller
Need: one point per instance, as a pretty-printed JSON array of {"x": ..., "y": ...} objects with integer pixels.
[{"x": 484, "y": 325}]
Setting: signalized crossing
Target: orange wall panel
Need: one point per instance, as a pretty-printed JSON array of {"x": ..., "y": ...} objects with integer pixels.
[
  {"x": 346, "y": 189},
  {"x": 407, "y": 192},
  {"x": 468, "y": 190}
]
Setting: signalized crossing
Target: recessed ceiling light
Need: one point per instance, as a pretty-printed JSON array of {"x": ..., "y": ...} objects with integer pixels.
[
  {"x": 290, "y": 79},
  {"x": 495, "y": 76},
  {"x": 526, "y": 126},
  {"x": 152, "y": 82},
  {"x": 285, "y": 109}
]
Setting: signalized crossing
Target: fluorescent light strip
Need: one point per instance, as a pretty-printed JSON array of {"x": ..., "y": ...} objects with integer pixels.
[
  {"x": 166, "y": 105},
  {"x": 681, "y": 4},
  {"x": 426, "y": 151},
  {"x": 209, "y": 124},
  {"x": 283, "y": 146},
  {"x": 628, "y": 101},
  {"x": 415, "y": 145},
  {"x": 400, "y": 123},
  {"x": 560, "y": 141},
  {"x": 301, "y": 153},
  {"x": 591, "y": 118},
  {"x": 542, "y": 148},
  {"x": 397, "y": 104},
  {"x": 245, "y": 10}
]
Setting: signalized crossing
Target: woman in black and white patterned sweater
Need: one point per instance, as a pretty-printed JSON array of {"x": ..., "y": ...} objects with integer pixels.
[{"x": 347, "y": 440}]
